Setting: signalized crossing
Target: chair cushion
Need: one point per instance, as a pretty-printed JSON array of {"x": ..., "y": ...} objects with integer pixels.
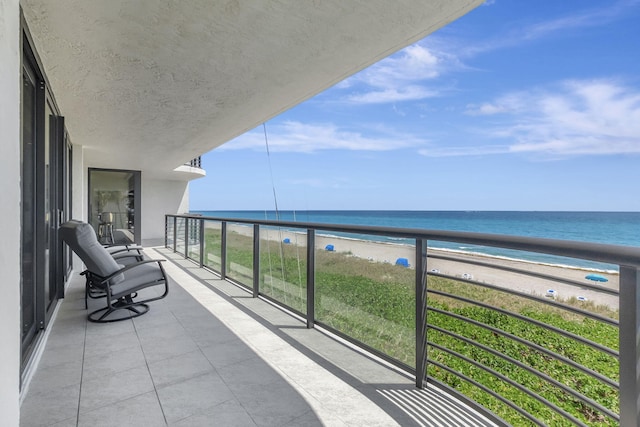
[
  {"x": 82, "y": 239},
  {"x": 137, "y": 278}
]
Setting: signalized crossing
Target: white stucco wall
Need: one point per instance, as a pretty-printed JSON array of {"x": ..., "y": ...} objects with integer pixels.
[
  {"x": 10, "y": 213},
  {"x": 160, "y": 197},
  {"x": 177, "y": 79},
  {"x": 78, "y": 192}
]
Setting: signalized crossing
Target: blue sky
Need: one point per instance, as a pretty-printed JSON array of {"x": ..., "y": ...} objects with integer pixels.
[{"x": 515, "y": 106}]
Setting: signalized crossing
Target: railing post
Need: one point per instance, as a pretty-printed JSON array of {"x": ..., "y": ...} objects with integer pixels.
[
  {"x": 223, "y": 250},
  {"x": 202, "y": 245},
  {"x": 256, "y": 260},
  {"x": 311, "y": 278},
  {"x": 629, "y": 346},
  {"x": 175, "y": 232},
  {"x": 421, "y": 311},
  {"x": 166, "y": 230},
  {"x": 186, "y": 237}
]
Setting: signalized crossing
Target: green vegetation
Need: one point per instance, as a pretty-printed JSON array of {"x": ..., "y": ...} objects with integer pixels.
[{"x": 374, "y": 303}]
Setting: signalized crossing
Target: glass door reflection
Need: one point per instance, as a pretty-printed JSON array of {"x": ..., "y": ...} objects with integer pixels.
[{"x": 114, "y": 200}]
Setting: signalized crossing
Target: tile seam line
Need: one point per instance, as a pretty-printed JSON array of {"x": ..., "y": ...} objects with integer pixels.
[
  {"x": 146, "y": 362},
  {"x": 194, "y": 289}
]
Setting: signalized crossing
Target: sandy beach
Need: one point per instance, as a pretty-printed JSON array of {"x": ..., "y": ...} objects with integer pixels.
[{"x": 502, "y": 272}]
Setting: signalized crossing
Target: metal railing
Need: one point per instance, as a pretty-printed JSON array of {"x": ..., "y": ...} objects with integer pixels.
[
  {"x": 195, "y": 163},
  {"x": 514, "y": 352}
]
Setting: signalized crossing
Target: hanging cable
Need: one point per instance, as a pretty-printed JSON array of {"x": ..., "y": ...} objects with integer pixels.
[
  {"x": 273, "y": 184},
  {"x": 266, "y": 217},
  {"x": 275, "y": 201},
  {"x": 298, "y": 258}
]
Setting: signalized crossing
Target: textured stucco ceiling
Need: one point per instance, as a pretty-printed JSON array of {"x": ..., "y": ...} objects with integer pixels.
[{"x": 151, "y": 84}]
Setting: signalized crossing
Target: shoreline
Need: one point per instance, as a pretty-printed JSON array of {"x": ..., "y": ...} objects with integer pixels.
[{"x": 464, "y": 264}]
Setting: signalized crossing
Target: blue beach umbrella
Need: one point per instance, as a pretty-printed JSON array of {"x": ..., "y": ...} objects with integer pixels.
[
  {"x": 596, "y": 278},
  {"x": 403, "y": 262}
]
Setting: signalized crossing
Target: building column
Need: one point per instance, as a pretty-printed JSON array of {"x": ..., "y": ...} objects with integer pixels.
[{"x": 10, "y": 84}]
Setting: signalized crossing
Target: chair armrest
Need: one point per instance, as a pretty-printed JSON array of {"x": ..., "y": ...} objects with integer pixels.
[
  {"x": 125, "y": 249},
  {"x": 105, "y": 280},
  {"x": 126, "y": 245},
  {"x": 118, "y": 256}
]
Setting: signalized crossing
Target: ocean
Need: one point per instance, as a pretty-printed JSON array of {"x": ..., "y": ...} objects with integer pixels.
[{"x": 617, "y": 228}]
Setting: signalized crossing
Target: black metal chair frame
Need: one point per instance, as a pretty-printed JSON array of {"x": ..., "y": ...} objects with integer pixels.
[
  {"x": 100, "y": 287},
  {"x": 94, "y": 292},
  {"x": 117, "y": 277}
]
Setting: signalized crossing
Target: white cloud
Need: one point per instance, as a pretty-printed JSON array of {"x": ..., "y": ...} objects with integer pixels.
[
  {"x": 415, "y": 62},
  {"x": 307, "y": 138},
  {"x": 485, "y": 109},
  {"x": 589, "y": 18},
  {"x": 480, "y": 150},
  {"x": 411, "y": 73},
  {"x": 401, "y": 77},
  {"x": 581, "y": 19},
  {"x": 584, "y": 117},
  {"x": 310, "y": 182},
  {"x": 409, "y": 93},
  {"x": 512, "y": 102},
  {"x": 578, "y": 117}
]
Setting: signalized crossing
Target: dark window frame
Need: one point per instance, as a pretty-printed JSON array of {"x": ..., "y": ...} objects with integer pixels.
[
  {"x": 137, "y": 188},
  {"x": 39, "y": 249}
]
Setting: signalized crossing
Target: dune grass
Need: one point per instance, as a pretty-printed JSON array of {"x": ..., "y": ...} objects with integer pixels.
[{"x": 375, "y": 303}]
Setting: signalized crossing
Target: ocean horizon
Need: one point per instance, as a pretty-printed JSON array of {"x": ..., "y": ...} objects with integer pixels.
[{"x": 616, "y": 228}]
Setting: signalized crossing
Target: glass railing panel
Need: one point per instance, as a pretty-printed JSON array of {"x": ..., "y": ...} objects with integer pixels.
[
  {"x": 532, "y": 337},
  {"x": 180, "y": 224},
  {"x": 194, "y": 239},
  {"x": 283, "y": 263},
  {"x": 212, "y": 245},
  {"x": 519, "y": 320},
  {"x": 240, "y": 253},
  {"x": 365, "y": 289},
  {"x": 169, "y": 232}
]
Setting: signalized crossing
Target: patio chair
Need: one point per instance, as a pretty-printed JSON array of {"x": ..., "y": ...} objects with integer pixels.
[
  {"x": 122, "y": 254},
  {"x": 114, "y": 279}
]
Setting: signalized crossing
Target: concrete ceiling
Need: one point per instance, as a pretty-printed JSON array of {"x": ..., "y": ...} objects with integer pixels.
[{"x": 148, "y": 85}]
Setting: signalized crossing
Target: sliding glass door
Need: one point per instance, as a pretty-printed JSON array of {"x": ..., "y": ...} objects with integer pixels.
[
  {"x": 29, "y": 191},
  {"x": 45, "y": 191},
  {"x": 114, "y": 205}
]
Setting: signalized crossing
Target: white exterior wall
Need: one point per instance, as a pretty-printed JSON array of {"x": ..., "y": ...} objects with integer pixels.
[
  {"x": 10, "y": 84},
  {"x": 79, "y": 203},
  {"x": 160, "y": 197}
]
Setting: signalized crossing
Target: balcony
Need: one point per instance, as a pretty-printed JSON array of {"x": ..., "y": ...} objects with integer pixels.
[
  {"x": 209, "y": 354},
  {"x": 529, "y": 342},
  {"x": 190, "y": 170},
  {"x": 195, "y": 163},
  {"x": 277, "y": 324}
]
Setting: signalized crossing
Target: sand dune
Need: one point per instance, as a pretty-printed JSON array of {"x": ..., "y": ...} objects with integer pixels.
[{"x": 502, "y": 272}]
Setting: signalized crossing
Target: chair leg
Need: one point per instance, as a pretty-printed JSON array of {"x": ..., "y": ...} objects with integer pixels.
[
  {"x": 87, "y": 285},
  {"x": 123, "y": 303}
]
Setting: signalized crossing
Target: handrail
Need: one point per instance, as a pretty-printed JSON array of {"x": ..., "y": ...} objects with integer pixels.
[
  {"x": 600, "y": 252},
  {"x": 186, "y": 234},
  {"x": 195, "y": 163}
]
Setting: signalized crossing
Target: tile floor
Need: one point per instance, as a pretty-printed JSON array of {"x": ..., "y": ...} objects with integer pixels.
[{"x": 210, "y": 355}]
